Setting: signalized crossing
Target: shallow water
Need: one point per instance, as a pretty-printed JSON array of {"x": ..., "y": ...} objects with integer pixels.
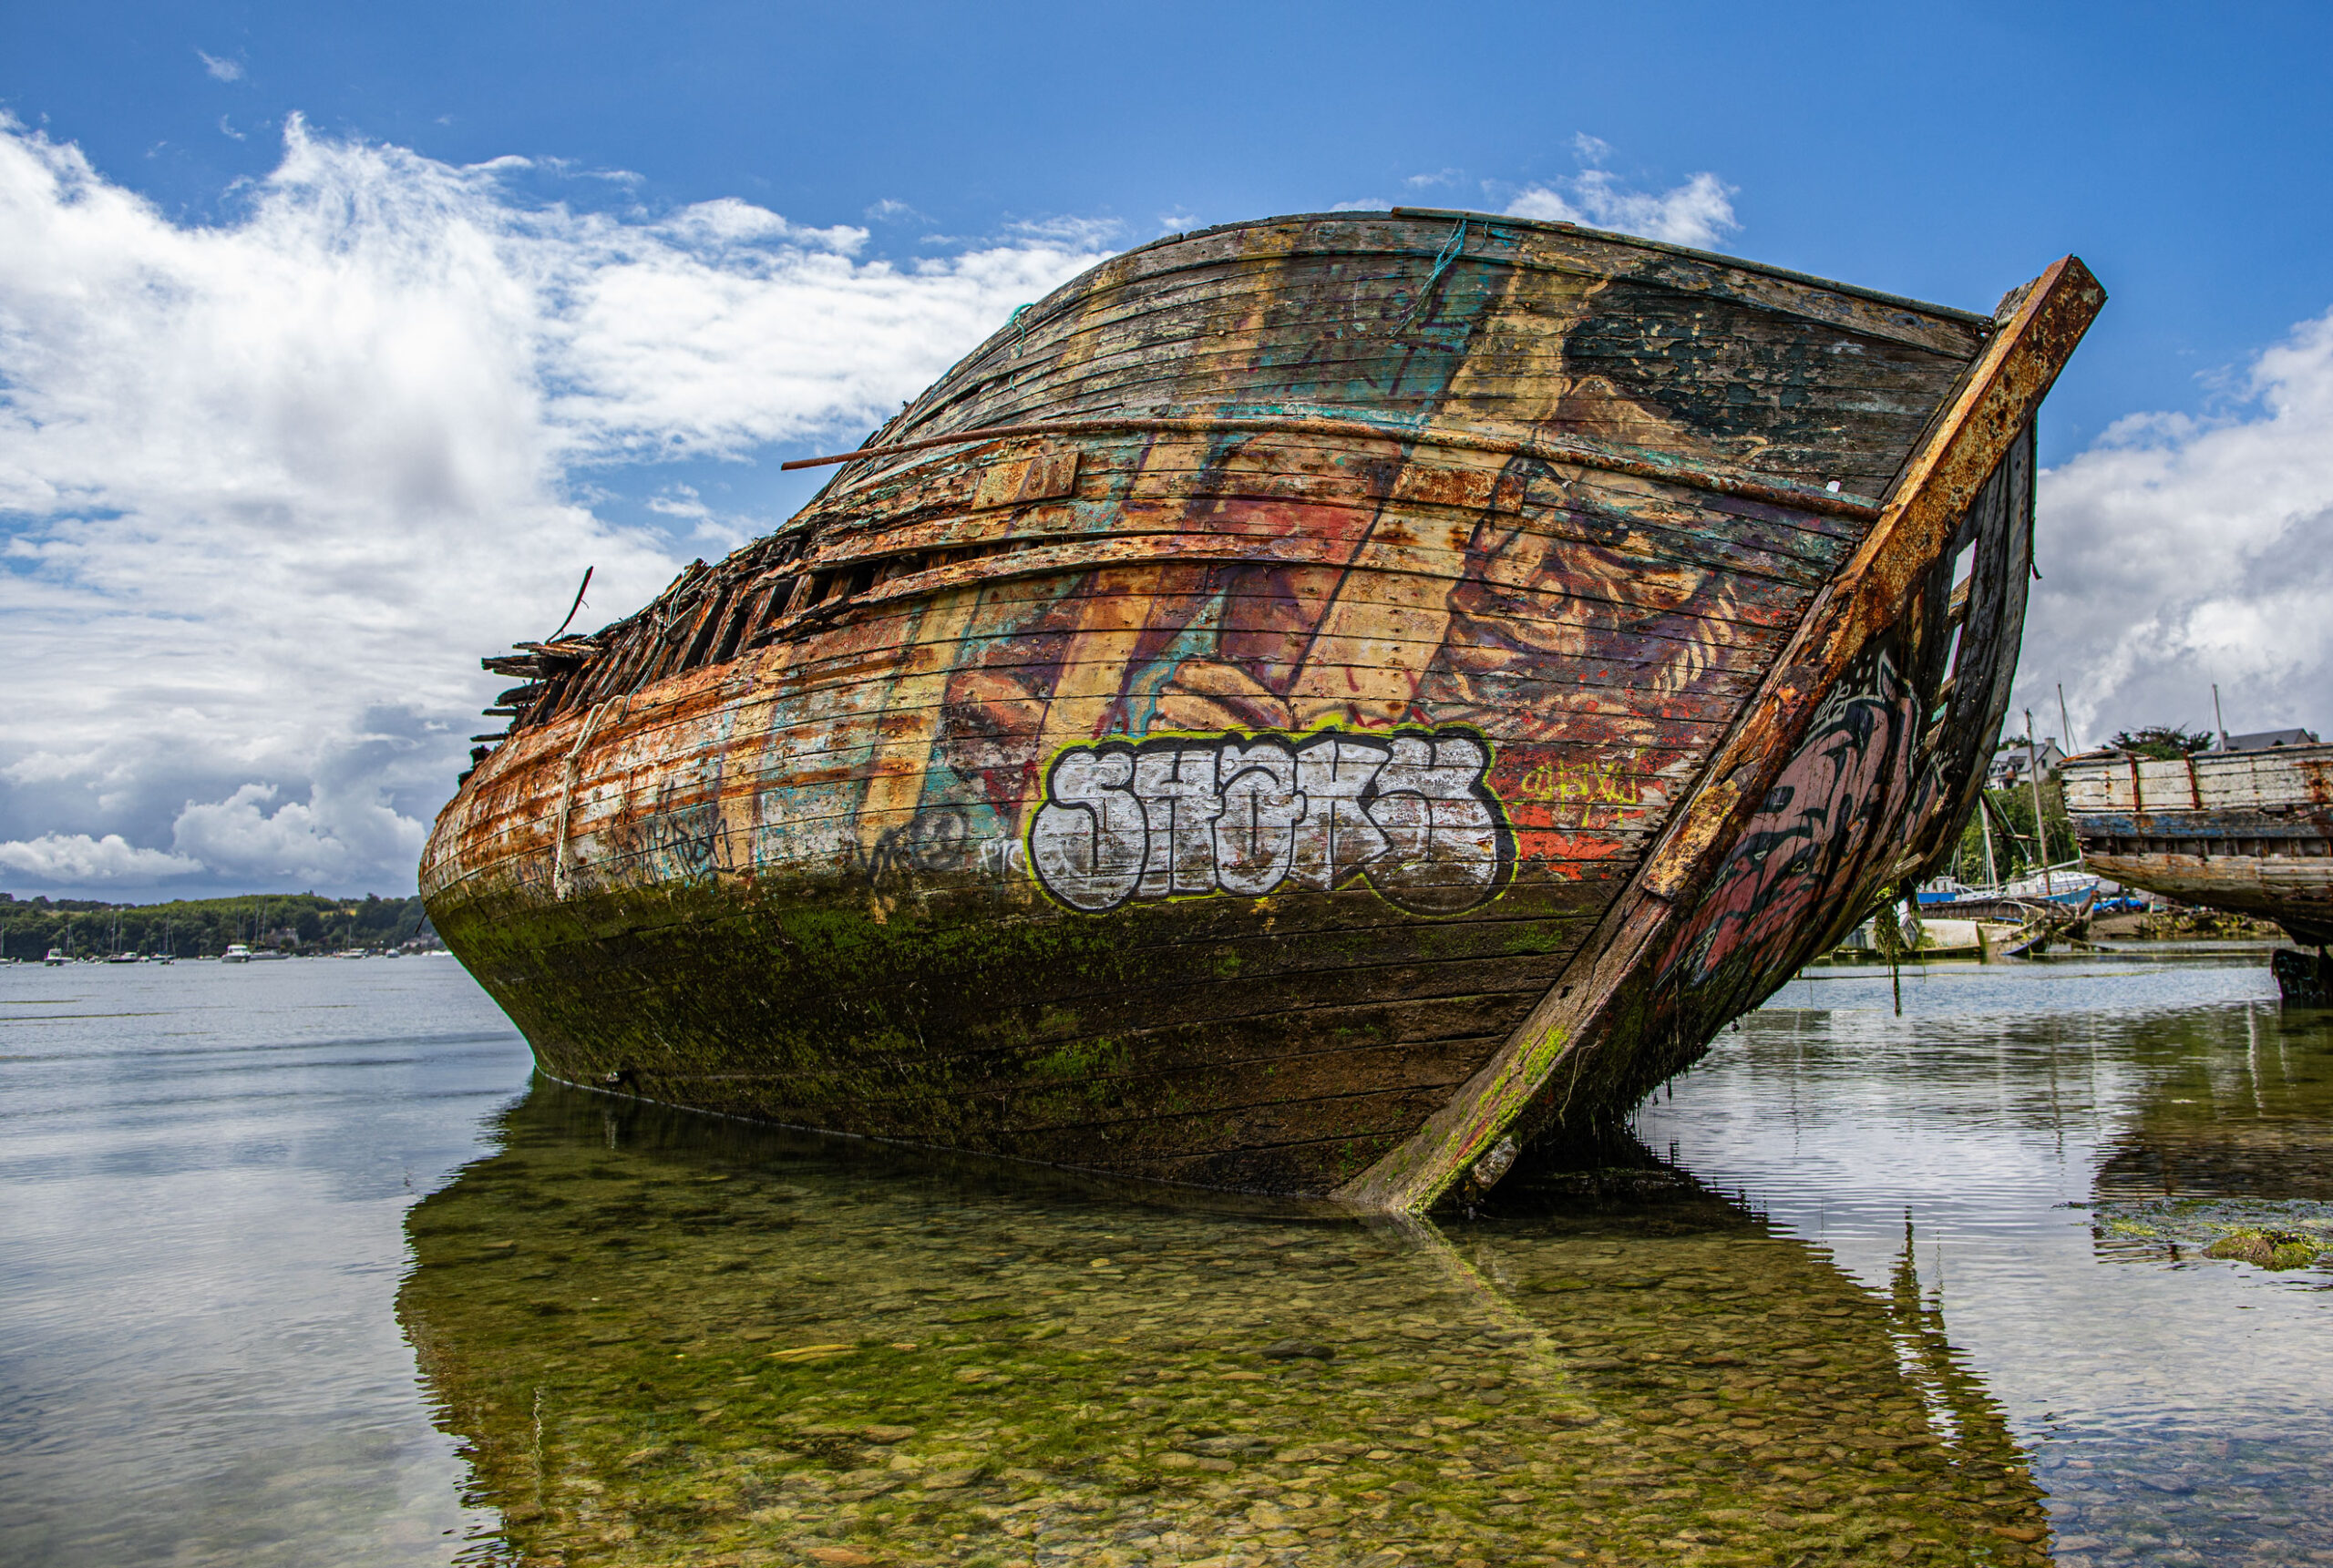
[
  {"x": 302, "y": 1270},
  {"x": 2067, "y": 1139}
]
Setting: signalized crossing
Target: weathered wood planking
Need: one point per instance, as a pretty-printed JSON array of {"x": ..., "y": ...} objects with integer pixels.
[
  {"x": 1208, "y": 784},
  {"x": 2246, "y": 831}
]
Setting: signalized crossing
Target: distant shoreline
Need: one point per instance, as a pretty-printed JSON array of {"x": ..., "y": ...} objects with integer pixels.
[{"x": 205, "y": 928}]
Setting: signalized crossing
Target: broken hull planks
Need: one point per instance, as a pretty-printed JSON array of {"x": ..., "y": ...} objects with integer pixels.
[
  {"x": 2249, "y": 832},
  {"x": 1227, "y": 798}
]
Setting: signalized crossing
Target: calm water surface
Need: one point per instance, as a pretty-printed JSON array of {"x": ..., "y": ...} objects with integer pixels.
[{"x": 300, "y": 1268}]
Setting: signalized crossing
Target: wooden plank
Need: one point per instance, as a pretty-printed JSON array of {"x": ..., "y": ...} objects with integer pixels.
[
  {"x": 1421, "y": 232},
  {"x": 1579, "y": 450},
  {"x": 1234, "y": 512}
]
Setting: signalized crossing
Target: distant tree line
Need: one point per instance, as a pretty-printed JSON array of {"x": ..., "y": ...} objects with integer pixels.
[{"x": 202, "y": 927}]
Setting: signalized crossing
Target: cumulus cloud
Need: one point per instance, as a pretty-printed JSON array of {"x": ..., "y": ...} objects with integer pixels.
[
  {"x": 77, "y": 859},
  {"x": 268, "y": 488},
  {"x": 2179, "y": 551},
  {"x": 1698, "y": 212}
]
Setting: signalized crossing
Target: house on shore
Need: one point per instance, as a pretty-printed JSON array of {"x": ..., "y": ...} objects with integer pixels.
[
  {"x": 2267, "y": 739},
  {"x": 2009, "y": 761}
]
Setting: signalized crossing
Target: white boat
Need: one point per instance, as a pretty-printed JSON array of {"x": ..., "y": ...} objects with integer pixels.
[
  {"x": 2066, "y": 884},
  {"x": 236, "y": 953},
  {"x": 55, "y": 959}
]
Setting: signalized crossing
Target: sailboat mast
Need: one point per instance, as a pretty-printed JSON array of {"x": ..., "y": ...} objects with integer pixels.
[
  {"x": 2041, "y": 827},
  {"x": 1983, "y": 821}
]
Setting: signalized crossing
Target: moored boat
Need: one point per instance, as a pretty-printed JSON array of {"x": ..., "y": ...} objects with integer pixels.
[{"x": 1307, "y": 705}]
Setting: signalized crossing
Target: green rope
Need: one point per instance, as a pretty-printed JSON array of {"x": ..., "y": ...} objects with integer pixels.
[
  {"x": 1450, "y": 250},
  {"x": 1887, "y": 930}
]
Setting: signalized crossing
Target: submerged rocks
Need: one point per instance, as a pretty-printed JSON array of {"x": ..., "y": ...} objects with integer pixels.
[
  {"x": 2277, "y": 1234},
  {"x": 946, "y": 1387},
  {"x": 1298, "y": 1349},
  {"x": 2268, "y": 1248}
]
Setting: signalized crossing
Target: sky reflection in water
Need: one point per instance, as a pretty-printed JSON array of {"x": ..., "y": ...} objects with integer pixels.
[
  {"x": 655, "y": 1338},
  {"x": 2066, "y": 1137}
]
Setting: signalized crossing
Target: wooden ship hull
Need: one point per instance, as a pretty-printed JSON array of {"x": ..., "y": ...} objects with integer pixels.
[
  {"x": 1305, "y": 707},
  {"x": 2248, "y": 832}
]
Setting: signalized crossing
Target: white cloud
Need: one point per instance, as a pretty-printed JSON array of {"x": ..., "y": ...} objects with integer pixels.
[
  {"x": 327, "y": 842},
  {"x": 1698, "y": 212},
  {"x": 77, "y": 860},
  {"x": 1366, "y": 204},
  {"x": 220, "y": 71},
  {"x": 268, "y": 488},
  {"x": 2178, "y": 552},
  {"x": 723, "y": 328}
]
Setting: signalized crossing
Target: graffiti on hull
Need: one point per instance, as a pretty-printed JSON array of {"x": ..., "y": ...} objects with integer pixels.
[
  {"x": 1814, "y": 838},
  {"x": 1408, "y": 812}
]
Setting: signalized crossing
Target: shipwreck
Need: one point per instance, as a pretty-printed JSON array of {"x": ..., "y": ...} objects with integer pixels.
[
  {"x": 1306, "y": 707},
  {"x": 2247, "y": 832}
]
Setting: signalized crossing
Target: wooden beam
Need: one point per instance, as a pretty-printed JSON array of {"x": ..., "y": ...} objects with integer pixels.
[
  {"x": 2039, "y": 327},
  {"x": 1716, "y": 477}
]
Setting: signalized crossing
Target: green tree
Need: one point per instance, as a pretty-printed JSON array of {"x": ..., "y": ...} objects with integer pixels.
[
  {"x": 193, "y": 928},
  {"x": 2011, "y": 814},
  {"x": 2164, "y": 742}
]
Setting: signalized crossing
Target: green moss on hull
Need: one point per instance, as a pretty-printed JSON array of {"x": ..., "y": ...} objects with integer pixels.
[{"x": 1272, "y": 1048}]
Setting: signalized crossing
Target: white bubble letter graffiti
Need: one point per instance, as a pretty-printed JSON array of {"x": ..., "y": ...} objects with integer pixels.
[
  {"x": 1335, "y": 835},
  {"x": 1089, "y": 840},
  {"x": 1176, "y": 787},
  {"x": 1442, "y": 838},
  {"x": 1255, "y": 838}
]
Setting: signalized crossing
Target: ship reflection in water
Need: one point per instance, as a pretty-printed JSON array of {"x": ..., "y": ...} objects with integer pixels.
[{"x": 665, "y": 1342}]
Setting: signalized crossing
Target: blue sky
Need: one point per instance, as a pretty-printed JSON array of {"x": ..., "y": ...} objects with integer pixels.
[{"x": 334, "y": 338}]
